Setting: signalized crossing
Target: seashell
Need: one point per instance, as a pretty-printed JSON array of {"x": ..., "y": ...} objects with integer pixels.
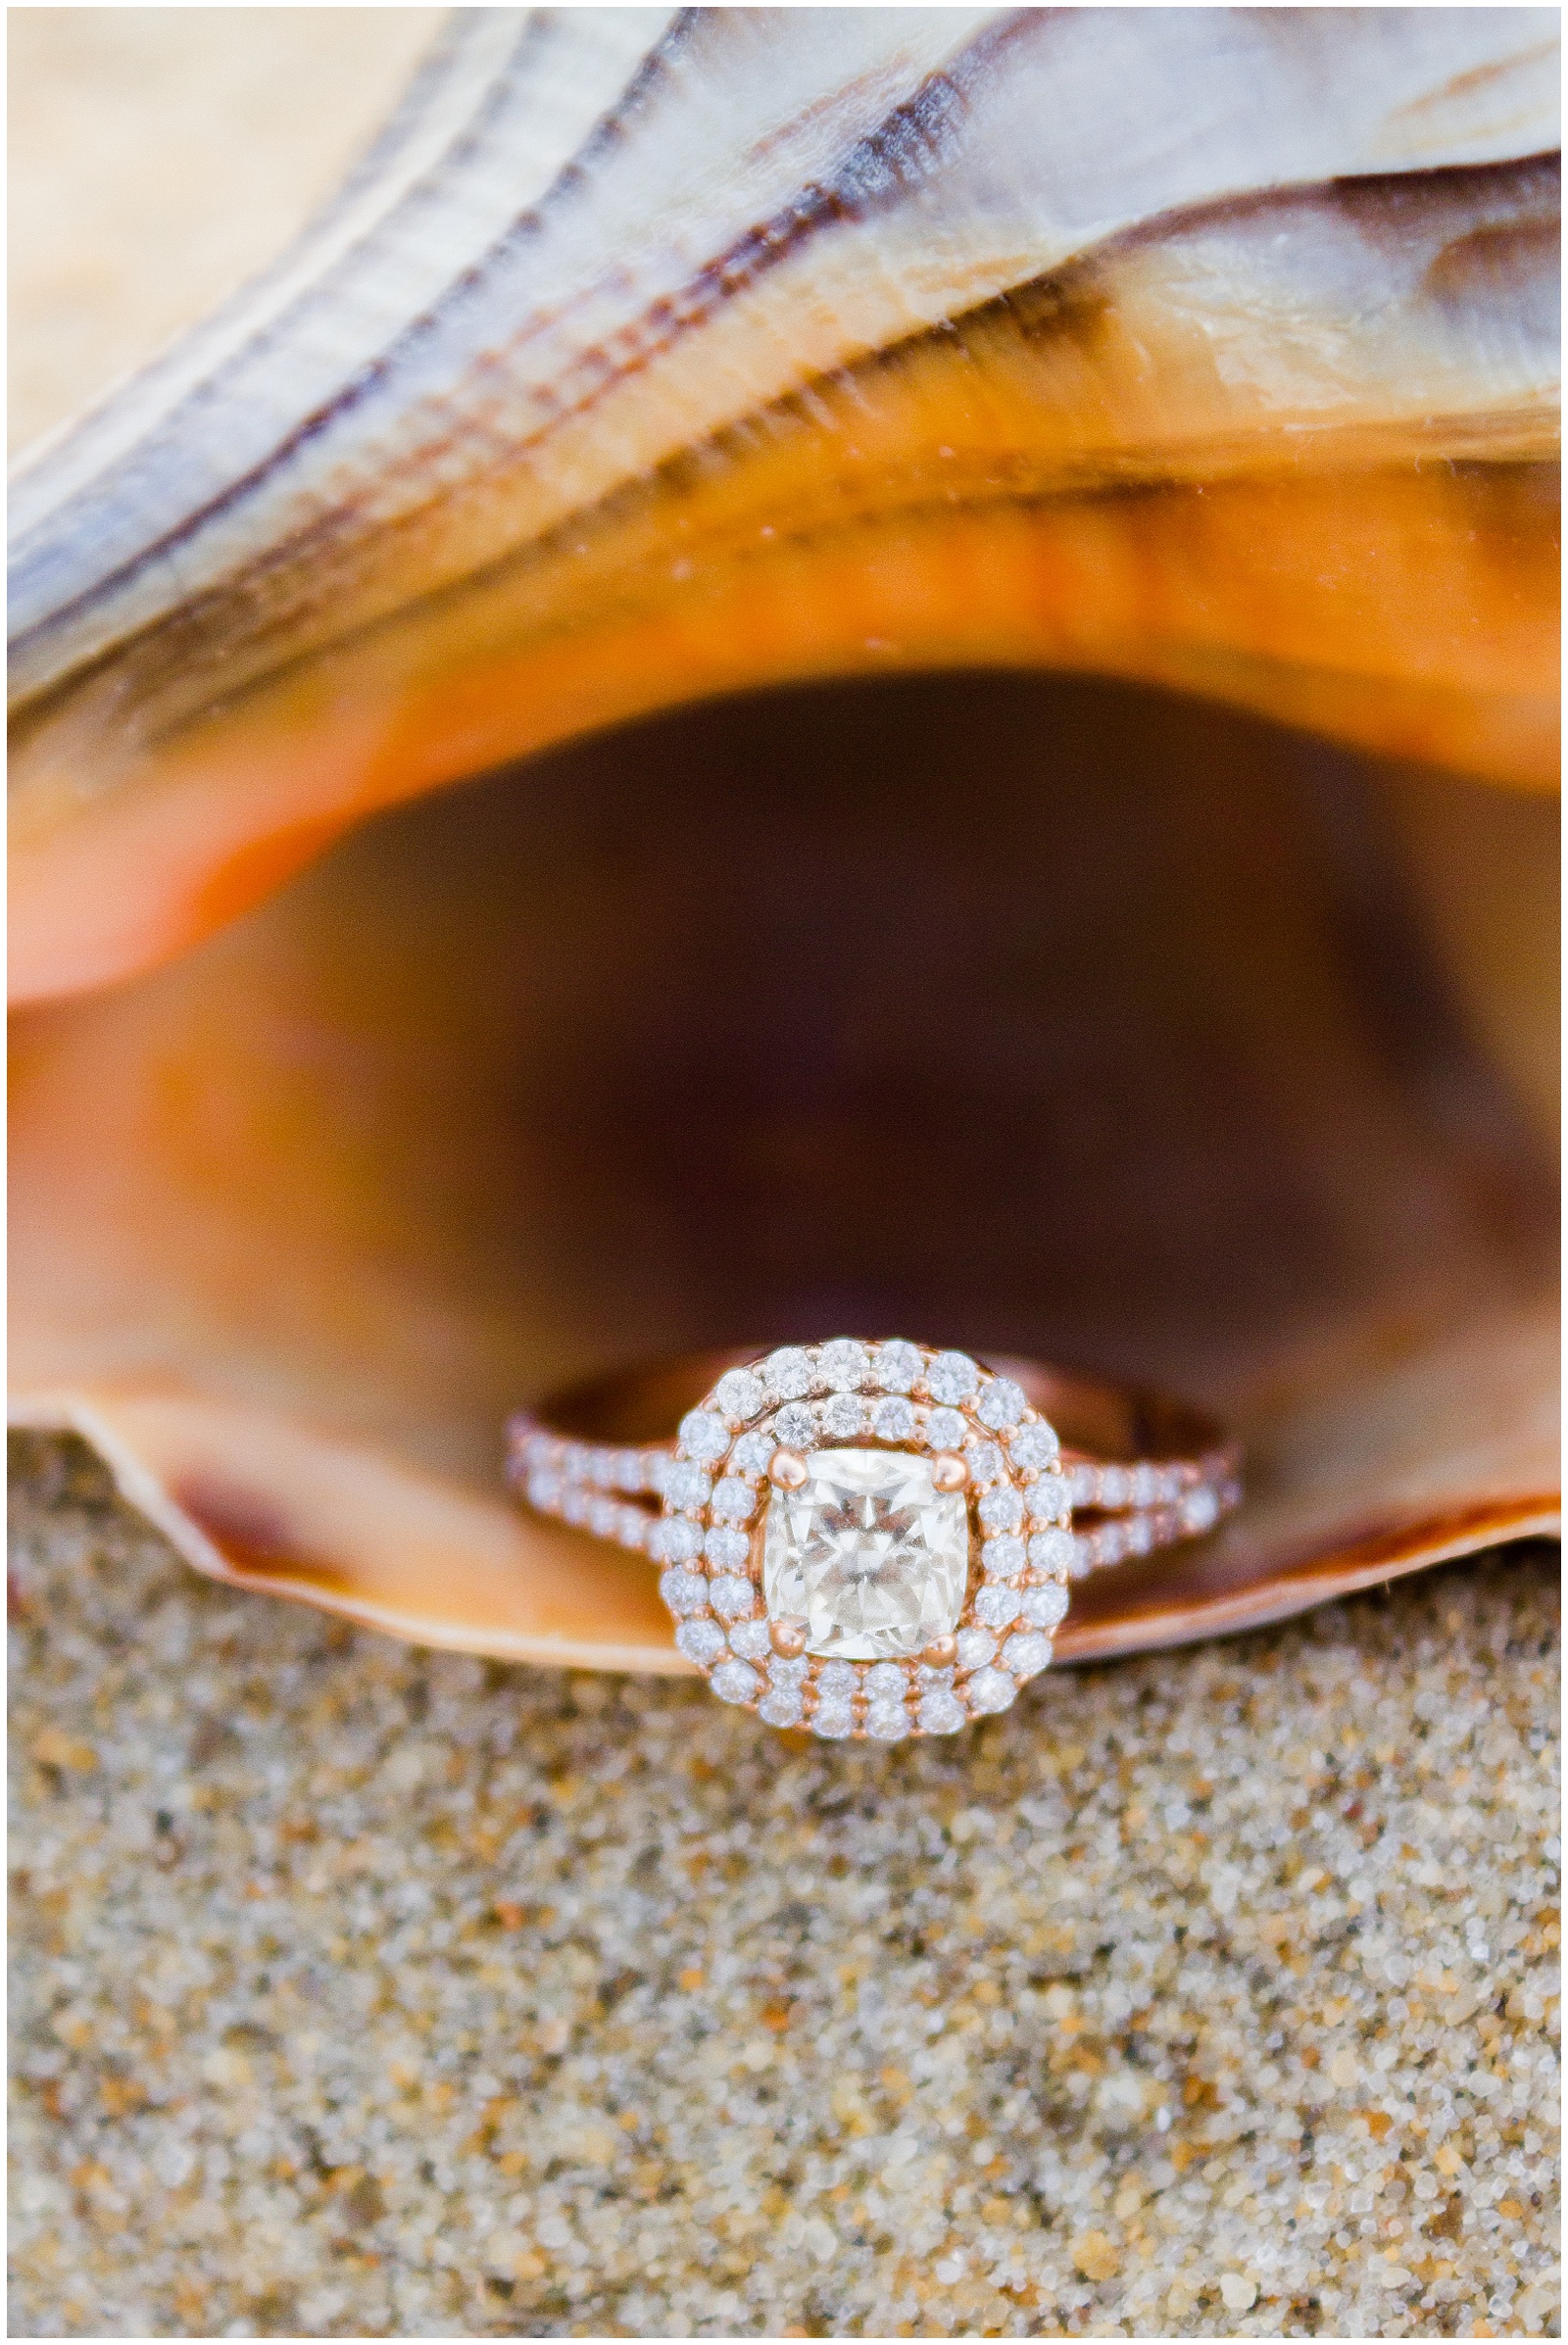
[{"x": 1191, "y": 1002}]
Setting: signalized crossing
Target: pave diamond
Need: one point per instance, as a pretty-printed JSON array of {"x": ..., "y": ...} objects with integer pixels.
[
  {"x": 953, "y": 1376},
  {"x": 686, "y": 1485},
  {"x": 833, "y": 1720},
  {"x": 735, "y": 1682},
  {"x": 985, "y": 1464},
  {"x": 1026, "y": 1654},
  {"x": 1044, "y": 1607},
  {"x": 705, "y": 1436},
  {"x": 753, "y": 1454},
  {"x": 732, "y": 1597},
  {"x": 1002, "y": 1403},
  {"x": 844, "y": 1365},
  {"x": 944, "y": 1428},
  {"x": 836, "y": 1682},
  {"x": 1002, "y": 1558},
  {"x": 727, "y": 1549},
  {"x": 794, "y": 1426},
  {"x": 787, "y": 1373},
  {"x": 739, "y": 1393},
  {"x": 991, "y": 1689},
  {"x": 868, "y": 1553},
  {"x": 1051, "y": 1552},
  {"x": 893, "y": 1420},
  {"x": 684, "y": 1591},
  {"x": 1049, "y": 1498},
  {"x": 1003, "y": 1509},
  {"x": 997, "y": 1606},
  {"x": 942, "y": 1712},
  {"x": 896, "y": 1367},
  {"x": 1200, "y": 1511},
  {"x": 679, "y": 1540},
  {"x": 1033, "y": 1446},
  {"x": 701, "y": 1640}
]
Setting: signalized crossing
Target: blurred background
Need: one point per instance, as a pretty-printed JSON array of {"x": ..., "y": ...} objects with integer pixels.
[{"x": 159, "y": 156}]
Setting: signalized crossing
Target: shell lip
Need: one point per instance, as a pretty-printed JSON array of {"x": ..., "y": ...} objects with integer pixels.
[{"x": 148, "y": 1442}]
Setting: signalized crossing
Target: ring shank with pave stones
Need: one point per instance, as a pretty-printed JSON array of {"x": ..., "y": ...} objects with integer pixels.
[{"x": 870, "y": 1538}]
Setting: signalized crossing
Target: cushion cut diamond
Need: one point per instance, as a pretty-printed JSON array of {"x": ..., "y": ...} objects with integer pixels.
[{"x": 868, "y": 1553}]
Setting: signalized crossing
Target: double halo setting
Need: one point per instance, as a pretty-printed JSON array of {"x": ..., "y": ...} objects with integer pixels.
[{"x": 866, "y": 1540}]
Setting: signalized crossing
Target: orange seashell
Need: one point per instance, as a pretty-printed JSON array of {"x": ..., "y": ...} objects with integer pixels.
[{"x": 1186, "y": 993}]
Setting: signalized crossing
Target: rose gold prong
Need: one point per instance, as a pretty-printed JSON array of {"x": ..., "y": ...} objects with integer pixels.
[
  {"x": 941, "y": 1652},
  {"x": 788, "y": 1635},
  {"x": 788, "y": 1470},
  {"x": 949, "y": 1471}
]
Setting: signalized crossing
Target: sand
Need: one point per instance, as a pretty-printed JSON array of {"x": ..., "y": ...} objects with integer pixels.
[{"x": 365, "y": 1991}]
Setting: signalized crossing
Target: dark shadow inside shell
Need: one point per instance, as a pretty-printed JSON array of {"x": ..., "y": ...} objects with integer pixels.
[
  {"x": 1025, "y": 1013},
  {"x": 1044, "y": 1015}
]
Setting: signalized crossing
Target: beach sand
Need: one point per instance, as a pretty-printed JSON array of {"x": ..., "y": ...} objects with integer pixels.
[{"x": 367, "y": 1991}]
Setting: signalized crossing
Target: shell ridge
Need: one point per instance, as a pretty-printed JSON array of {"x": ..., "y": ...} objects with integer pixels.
[
  {"x": 38, "y": 468},
  {"x": 320, "y": 298},
  {"x": 380, "y": 369},
  {"x": 1499, "y": 193},
  {"x": 413, "y": 332},
  {"x": 1026, "y": 31}
]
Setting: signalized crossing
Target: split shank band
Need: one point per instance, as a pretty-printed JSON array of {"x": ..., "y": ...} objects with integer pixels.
[{"x": 870, "y": 1538}]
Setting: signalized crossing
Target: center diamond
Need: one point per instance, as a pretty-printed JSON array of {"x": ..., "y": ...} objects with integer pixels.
[{"x": 868, "y": 1553}]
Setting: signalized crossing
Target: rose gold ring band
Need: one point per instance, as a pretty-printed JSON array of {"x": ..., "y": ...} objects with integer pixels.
[
  {"x": 871, "y": 1539},
  {"x": 591, "y": 1454}
]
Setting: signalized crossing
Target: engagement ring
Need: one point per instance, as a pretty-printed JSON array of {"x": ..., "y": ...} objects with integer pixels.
[{"x": 870, "y": 1538}]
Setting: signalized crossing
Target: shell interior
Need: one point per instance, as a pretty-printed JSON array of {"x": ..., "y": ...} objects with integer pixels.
[{"x": 665, "y": 400}]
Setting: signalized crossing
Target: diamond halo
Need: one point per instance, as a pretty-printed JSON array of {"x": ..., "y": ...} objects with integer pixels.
[{"x": 927, "y": 1594}]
